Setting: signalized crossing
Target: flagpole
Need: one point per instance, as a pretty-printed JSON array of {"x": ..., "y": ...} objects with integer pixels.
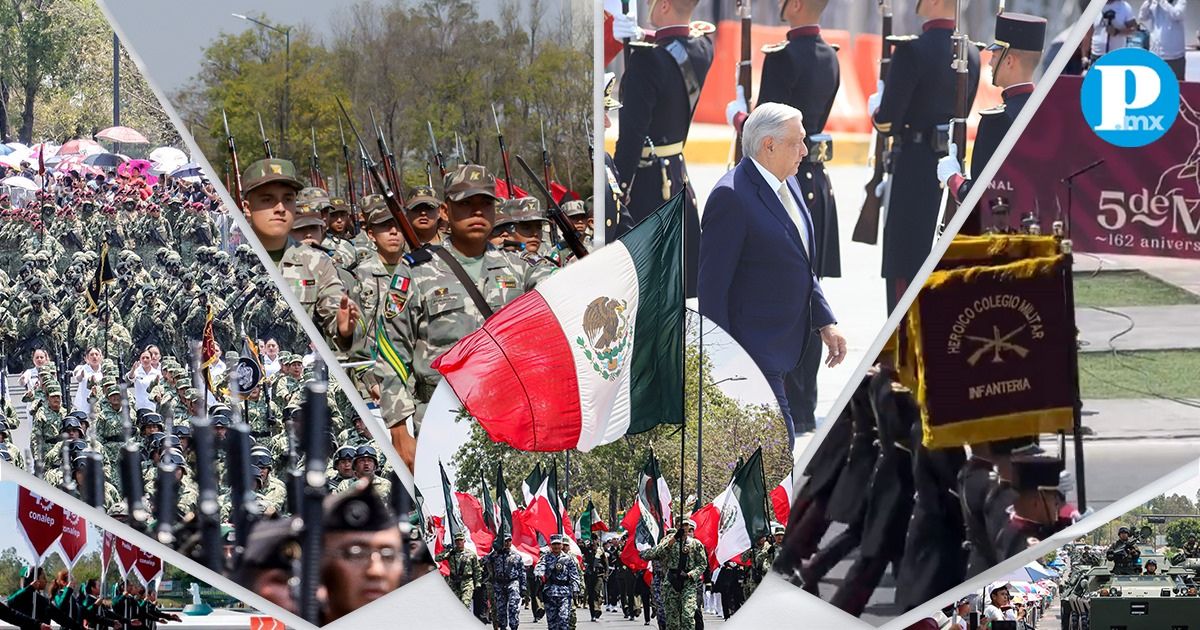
[{"x": 700, "y": 409}]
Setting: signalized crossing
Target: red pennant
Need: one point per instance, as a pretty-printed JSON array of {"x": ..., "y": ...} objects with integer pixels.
[
  {"x": 74, "y": 537},
  {"x": 41, "y": 521},
  {"x": 107, "y": 541},
  {"x": 148, "y": 566},
  {"x": 127, "y": 555}
]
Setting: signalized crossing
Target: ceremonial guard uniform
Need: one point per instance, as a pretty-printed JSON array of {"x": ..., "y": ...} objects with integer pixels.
[
  {"x": 1032, "y": 475},
  {"x": 916, "y": 106},
  {"x": 659, "y": 92}
]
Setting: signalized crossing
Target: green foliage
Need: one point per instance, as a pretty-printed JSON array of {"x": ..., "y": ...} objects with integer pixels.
[
  {"x": 435, "y": 62},
  {"x": 56, "y": 77},
  {"x": 1178, "y": 531},
  {"x": 608, "y": 475}
]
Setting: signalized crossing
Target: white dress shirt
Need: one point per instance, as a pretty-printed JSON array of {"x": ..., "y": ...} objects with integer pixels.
[
  {"x": 789, "y": 203},
  {"x": 1164, "y": 20}
]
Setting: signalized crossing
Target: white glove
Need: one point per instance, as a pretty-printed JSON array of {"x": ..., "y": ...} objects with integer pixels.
[
  {"x": 875, "y": 99},
  {"x": 625, "y": 27},
  {"x": 736, "y": 106},
  {"x": 948, "y": 166}
]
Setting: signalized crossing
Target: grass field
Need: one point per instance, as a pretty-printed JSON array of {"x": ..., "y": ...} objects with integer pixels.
[
  {"x": 1128, "y": 288},
  {"x": 1140, "y": 374}
]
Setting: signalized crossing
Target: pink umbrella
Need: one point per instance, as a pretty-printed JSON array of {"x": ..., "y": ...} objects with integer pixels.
[
  {"x": 78, "y": 145},
  {"x": 122, "y": 134}
]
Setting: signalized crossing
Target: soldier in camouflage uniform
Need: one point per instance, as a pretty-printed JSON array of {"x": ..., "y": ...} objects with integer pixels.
[
  {"x": 187, "y": 493},
  {"x": 375, "y": 274},
  {"x": 269, "y": 190},
  {"x": 8, "y": 449},
  {"x": 270, "y": 494},
  {"x": 519, "y": 226},
  {"x": 430, "y": 309},
  {"x": 339, "y": 233},
  {"x": 595, "y": 570},
  {"x": 560, "y": 578},
  {"x": 48, "y": 418},
  {"x": 366, "y": 466},
  {"x": 342, "y": 467},
  {"x": 765, "y": 556},
  {"x": 426, "y": 214},
  {"x": 580, "y": 216},
  {"x": 465, "y": 573},
  {"x": 684, "y": 565},
  {"x": 506, "y": 569}
]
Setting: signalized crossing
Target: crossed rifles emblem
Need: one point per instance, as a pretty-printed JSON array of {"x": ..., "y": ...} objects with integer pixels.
[{"x": 996, "y": 344}]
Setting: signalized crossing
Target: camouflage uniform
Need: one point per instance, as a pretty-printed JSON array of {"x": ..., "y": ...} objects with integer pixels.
[
  {"x": 464, "y": 574},
  {"x": 383, "y": 487},
  {"x": 428, "y": 310},
  {"x": 561, "y": 576},
  {"x": 679, "y": 604},
  {"x": 507, "y": 571}
]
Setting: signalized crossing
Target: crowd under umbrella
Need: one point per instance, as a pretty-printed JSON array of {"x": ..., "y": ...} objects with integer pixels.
[
  {"x": 167, "y": 159},
  {"x": 124, "y": 135},
  {"x": 189, "y": 170},
  {"x": 18, "y": 181},
  {"x": 81, "y": 146},
  {"x": 105, "y": 160}
]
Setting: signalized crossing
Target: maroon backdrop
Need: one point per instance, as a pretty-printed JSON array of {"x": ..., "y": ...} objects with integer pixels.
[{"x": 1143, "y": 200}]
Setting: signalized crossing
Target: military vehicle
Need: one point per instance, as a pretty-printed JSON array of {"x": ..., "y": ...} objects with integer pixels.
[{"x": 1098, "y": 599}]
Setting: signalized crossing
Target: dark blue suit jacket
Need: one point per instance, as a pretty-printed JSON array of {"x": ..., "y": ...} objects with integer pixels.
[{"x": 756, "y": 280}]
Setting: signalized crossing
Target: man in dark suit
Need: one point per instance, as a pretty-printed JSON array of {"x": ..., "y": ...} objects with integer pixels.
[
  {"x": 659, "y": 91},
  {"x": 803, "y": 72},
  {"x": 756, "y": 246}
]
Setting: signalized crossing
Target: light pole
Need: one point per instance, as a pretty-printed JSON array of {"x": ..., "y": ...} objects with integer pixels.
[
  {"x": 700, "y": 434},
  {"x": 287, "y": 75}
]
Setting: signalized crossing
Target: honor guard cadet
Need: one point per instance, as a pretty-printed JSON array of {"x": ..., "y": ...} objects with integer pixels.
[
  {"x": 616, "y": 215},
  {"x": 560, "y": 576},
  {"x": 659, "y": 92},
  {"x": 1016, "y": 54},
  {"x": 269, "y": 189},
  {"x": 1035, "y": 512},
  {"x": 684, "y": 565},
  {"x": 507, "y": 571},
  {"x": 914, "y": 106},
  {"x": 465, "y": 572},
  {"x": 441, "y": 294}
]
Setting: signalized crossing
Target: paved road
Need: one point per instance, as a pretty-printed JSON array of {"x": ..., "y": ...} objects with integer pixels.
[{"x": 611, "y": 620}]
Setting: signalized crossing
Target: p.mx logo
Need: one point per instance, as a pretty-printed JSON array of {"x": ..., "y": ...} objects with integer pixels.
[{"x": 1130, "y": 97}]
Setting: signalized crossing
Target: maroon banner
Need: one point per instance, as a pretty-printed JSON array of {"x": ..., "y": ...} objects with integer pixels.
[
  {"x": 41, "y": 520},
  {"x": 74, "y": 537},
  {"x": 147, "y": 566},
  {"x": 1143, "y": 200},
  {"x": 106, "y": 551},
  {"x": 127, "y": 555}
]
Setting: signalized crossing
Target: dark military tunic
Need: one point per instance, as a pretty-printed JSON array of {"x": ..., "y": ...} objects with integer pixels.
[
  {"x": 804, "y": 73},
  {"x": 616, "y": 215},
  {"x": 994, "y": 124},
  {"x": 918, "y": 96},
  {"x": 656, "y": 106}
]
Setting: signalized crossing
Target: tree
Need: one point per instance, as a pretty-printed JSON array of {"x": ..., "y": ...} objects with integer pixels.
[{"x": 1178, "y": 531}]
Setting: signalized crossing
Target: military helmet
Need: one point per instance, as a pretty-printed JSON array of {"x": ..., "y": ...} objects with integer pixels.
[
  {"x": 182, "y": 430},
  {"x": 366, "y": 450},
  {"x": 81, "y": 459},
  {"x": 220, "y": 420},
  {"x": 150, "y": 418},
  {"x": 69, "y": 422},
  {"x": 174, "y": 458},
  {"x": 345, "y": 452},
  {"x": 261, "y": 457},
  {"x": 1122, "y": 530},
  {"x": 74, "y": 446}
]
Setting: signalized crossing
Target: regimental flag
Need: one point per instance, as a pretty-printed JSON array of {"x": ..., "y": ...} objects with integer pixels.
[
  {"x": 990, "y": 352},
  {"x": 103, "y": 276},
  {"x": 210, "y": 352},
  {"x": 249, "y": 372},
  {"x": 743, "y": 509},
  {"x": 453, "y": 521},
  {"x": 531, "y": 484},
  {"x": 386, "y": 350},
  {"x": 594, "y": 348},
  {"x": 474, "y": 520},
  {"x": 502, "y": 190}
]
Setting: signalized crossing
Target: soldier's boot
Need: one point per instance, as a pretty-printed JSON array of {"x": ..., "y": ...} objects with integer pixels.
[
  {"x": 861, "y": 581},
  {"x": 813, "y": 570}
]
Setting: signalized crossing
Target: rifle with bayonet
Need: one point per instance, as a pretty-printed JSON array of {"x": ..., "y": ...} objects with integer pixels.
[
  {"x": 503, "y": 153},
  {"x": 315, "y": 442},
  {"x": 962, "y": 108},
  {"x": 235, "y": 177},
  {"x": 314, "y": 167},
  {"x": 131, "y": 466},
  {"x": 292, "y": 476},
  {"x": 866, "y": 229},
  {"x": 237, "y": 469},
  {"x": 166, "y": 494},
  {"x": 93, "y": 480},
  {"x": 460, "y": 149},
  {"x": 557, "y": 216},
  {"x": 745, "y": 72},
  {"x": 394, "y": 202},
  {"x": 350, "y": 194},
  {"x": 208, "y": 516},
  {"x": 385, "y": 156},
  {"x": 437, "y": 153},
  {"x": 546, "y": 177},
  {"x": 266, "y": 143}
]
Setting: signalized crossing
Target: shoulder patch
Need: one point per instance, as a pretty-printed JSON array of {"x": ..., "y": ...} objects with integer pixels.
[
  {"x": 420, "y": 256},
  {"x": 701, "y": 28},
  {"x": 774, "y": 48},
  {"x": 642, "y": 45},
  {"x": 901, "y": 39}
]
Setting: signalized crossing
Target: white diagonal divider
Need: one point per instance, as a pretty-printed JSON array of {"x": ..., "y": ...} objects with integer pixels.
[
  {"x": 382, "y": 438},
  {"x": 99, "y": 518}
]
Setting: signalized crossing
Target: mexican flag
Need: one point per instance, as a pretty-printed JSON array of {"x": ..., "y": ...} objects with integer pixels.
[
  {"x": 531, "y": 484},
  {"x": 591, "y": 351},
  {"x": 589, "y": 521},
  {"x": 781, "y": 499},
  {"x": 743, "y": 508}
]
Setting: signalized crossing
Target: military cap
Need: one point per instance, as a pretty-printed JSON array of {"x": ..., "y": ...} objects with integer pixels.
[
  {"x": 312, "y": 199},
  {"x": 422, "y": 196},
  {"x": 468, "y": 180},
  {"x": 525, "y": 209},
  {"x": 366, "y": 450},
  {"x": 337, "y": 204},
  {"x": 556, "y": 539},
  {"x": 357, "y": 509},
  {"x": 1036, "y": 472},
  {"x": 272, "y": 544},
  {"x": 370, "y": 202},
  {"x": 573, "y": 207},
  {"x": 288, "y": 358},
  {"x": 345, "y": 452},
  {"x": 776, "y": 528},
  {"x": 268, "y": 171},
  {"x": 53, "y": 389},
  {"x": 610, "y": 83},
  {"x": 460, "y": 535},
  {"x": 308, "y": 218},
  {"x": 689, "y": 523},
  {"x": 1018, "y": 31},
  {"x": 379, "y": 215}
]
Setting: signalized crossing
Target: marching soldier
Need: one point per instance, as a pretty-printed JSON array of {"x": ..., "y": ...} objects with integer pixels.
[
  {"x": 507, "y": 571},
  {"x": 914, "y": 104},
  {"x": 560, "y": 578},
  {"x": 363, "y": 547},
  {"x": 343, "y": 467},
  {"x": 1016, "y": 54},
  {"x": 426, "y": 214},
  {"x": 685, "y": 562},
  {"x": 659, "y": 91},
  {"x": 595, "y": 569},
  {"x": 429, "y": 308},
  {"x": 375, "y": 272},
  {"x": 465, "y": 573},
  {"x": 1035, "y": 513}
]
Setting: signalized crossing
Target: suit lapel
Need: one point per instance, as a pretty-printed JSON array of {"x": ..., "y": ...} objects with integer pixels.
[
  {"x": 774, "y": 205},
  {"x": 798, "y": 197}
]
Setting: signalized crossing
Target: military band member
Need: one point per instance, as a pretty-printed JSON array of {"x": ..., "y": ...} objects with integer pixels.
[
  {"x": 659, "y": 92},
  {"x": 1016, "y": 54},
  {"x": 914, "y": 105}
]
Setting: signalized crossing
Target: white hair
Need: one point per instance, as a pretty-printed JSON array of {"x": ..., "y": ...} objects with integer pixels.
[{"x": 767, "y": 121}]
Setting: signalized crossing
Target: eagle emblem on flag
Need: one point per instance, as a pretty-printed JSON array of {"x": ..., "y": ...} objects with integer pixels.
[{"x": 606, "y": 335}]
